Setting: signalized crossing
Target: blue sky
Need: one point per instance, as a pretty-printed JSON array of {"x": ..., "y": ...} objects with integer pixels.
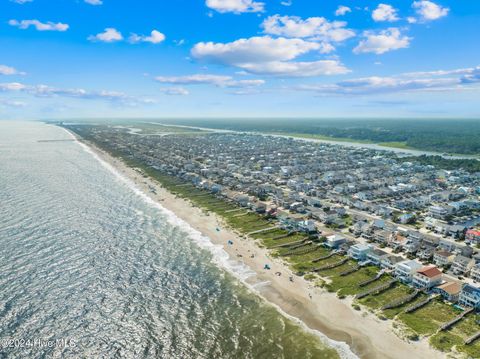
[{"x": 200, "y": 58}]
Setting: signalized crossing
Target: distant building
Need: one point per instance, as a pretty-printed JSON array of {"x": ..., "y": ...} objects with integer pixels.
[
  {"x": 461, "y": 265},
  {"x": 472, "y": 236},
  {"x": 439, "y": 212},
  {"x": 475, "y": 272},
  {"x": 443, "y": 258}
]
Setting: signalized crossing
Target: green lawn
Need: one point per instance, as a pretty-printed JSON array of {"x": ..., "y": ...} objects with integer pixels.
[
  {"x": 269, "y": 243},
  {"x": 391, "y": 313},
  {"x": 348, "y": 285},
  {"x": 335, "y": 272},
  {"x": 457, "y": 335},
  {"x": 397, "y": 291},
  {"x": 426, "y": 320},
  {"x": 270, "y": 235}
]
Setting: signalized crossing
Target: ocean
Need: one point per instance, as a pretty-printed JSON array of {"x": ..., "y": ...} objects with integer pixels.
[{"x": 91, "y": 268}]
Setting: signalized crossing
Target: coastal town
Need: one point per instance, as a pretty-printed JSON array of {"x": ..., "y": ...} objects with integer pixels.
[{"x": 401, "y": 238}]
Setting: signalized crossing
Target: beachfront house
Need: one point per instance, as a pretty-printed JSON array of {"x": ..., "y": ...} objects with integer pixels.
[
  {"x": 376, "y": 256},
  {"x": 389, "y": 262},
  {"x": 470, "y": 296},
  {"x": 259, "y": 207},
  {"x": 427, "y": 277},
  {"x": 334, "y": 241},
  {"x": 359, "y": 251},
  {"x": 307, "y": 225},
  {"x": 450, "y": 290},
  {"x": 242, "y": 200},
  {"x": 405, "y": 270}
]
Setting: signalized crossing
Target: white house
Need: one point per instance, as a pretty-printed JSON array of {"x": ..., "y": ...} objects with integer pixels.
[
  {"x": 359, "y": 251},
  {"x": 335, "y": 241},
  {"x": 470, "y": 296},
  {"x": 404, "y": 271},
  {"x": 449, "y": 290},
  {"x": 427, "y": 277},
  {"x": 475, "y": 272},
  {"x": 376, "y": 256}
]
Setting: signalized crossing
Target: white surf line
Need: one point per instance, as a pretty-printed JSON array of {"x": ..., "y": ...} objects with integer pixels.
[{"x": 221, "y": 258}]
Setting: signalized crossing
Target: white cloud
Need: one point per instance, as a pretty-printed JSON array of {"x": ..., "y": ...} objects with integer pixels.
[
  {"x": 21, "y": 2},
  {"x": 342, "y": 10},
  {"x": 175, "y": 91},
  {"x": 209, "y": 79},
  {"x": 197, "y": 79},
  {"x": 48, "y": 91},
  {"x": 94, "y": 2},
  {"x": 155, "y": 37},
  {"x": 109, "y": 35},
  {"x": 268, "y": 56},
  {"x": 245, "y": 92},
  {"x": 286, "y": 3},
  {"x": 12, "y": 86},
  {"x": 326, "y": 48},
  {"x": 428, "y": 10},
  {"x": 317, "y": 28},
  {"x": 40, "y": 26},
  {"x": 12, "y": 103},
  {"x": 385, "y": 12},
  {"x": 463, "y": 71},
  {"x": 253, "y": 50},
  {"x": 451, "y": 80},
  {"x": 297, "y": 69},
  {"x": 235, "y": 6},
  {"x": 382, "y": 42},
  {"x": 7, "y": 70}
]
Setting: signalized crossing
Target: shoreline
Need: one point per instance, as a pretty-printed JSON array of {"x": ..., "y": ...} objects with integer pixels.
[{"x": 365, "y": 334}]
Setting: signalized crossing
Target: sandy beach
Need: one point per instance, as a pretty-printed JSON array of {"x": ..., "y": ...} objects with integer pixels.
[{"x": 366, "y": 335}]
